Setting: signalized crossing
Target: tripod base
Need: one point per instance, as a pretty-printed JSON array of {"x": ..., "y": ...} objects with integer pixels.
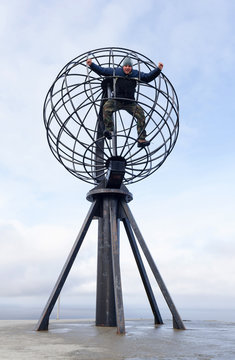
[{"x": 110, "y": 206}]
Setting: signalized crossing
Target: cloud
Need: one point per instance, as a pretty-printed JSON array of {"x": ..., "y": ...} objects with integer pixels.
[
  {"x": 32, "y": 257},
  {"x": 185, "y": 210}
]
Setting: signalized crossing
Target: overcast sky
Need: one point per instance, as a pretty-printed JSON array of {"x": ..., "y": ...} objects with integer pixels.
[{"x": 185, "y": 210}]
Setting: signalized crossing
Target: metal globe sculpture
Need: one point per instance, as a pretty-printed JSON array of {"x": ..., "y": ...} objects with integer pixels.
[
  {"x": 73, "y": 116},
  {"x": 73, "y": 119}
]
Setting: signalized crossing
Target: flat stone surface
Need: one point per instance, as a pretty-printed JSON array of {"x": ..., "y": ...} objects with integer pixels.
[{"x": 81, "y": 339}]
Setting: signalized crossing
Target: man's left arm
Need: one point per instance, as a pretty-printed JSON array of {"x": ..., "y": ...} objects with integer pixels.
[{"x": 152, "y": 74}]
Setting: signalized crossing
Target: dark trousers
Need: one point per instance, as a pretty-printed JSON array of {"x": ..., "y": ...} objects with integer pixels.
[{"x": 132, "y": 108}]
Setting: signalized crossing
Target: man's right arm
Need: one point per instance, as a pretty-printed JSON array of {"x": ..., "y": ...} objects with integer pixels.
[{"x": 99, "y": 69}]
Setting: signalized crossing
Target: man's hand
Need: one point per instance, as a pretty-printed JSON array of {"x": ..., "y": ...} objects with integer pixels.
[
  {"x": 160, "y": 65},
  {"x": 89, "y": 62}
]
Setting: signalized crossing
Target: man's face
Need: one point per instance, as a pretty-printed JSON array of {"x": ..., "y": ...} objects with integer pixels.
[{"x": 127, "y": 69}]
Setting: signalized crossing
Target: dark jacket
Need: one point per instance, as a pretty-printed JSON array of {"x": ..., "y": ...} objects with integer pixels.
[{"x": 125, "y": 84}]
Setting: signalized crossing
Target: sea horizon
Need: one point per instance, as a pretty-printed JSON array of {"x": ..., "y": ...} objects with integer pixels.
[{"x": 20, "y": 312}]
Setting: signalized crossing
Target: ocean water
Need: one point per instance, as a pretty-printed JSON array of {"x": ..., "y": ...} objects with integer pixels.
[
  {"x": 82, "y": 340},
  {"x": 72, "y": 334}
]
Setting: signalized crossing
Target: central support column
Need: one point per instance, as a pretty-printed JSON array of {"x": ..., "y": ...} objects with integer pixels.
[
  {"x": 109, "y": 303},
  {"x": 105, "y": 299}
]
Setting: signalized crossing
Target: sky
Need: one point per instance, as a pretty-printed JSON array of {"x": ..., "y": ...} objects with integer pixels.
[{"x": 185, "y": 210}]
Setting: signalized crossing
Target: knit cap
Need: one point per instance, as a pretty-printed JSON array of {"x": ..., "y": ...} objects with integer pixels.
[{"x": 127, "y": 61}]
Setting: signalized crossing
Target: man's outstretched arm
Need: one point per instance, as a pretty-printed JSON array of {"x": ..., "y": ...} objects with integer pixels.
[
  {"x": 99, "y": 69},
  {"x": 152, "y": 74}
]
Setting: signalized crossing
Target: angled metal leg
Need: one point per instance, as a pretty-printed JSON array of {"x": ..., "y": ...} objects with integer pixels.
[
  {"x": 44, "y": 319},
  {"x": 116, "y": 267},
  {"x": 177, "y": 322},
  {"x": 143, "y": 274}
]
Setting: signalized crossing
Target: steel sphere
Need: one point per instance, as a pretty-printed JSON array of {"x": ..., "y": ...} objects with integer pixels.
[{"x": 73, "y": 119}]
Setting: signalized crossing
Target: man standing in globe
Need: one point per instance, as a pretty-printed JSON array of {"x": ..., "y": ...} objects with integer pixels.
[{"x": 124, "y": 86}]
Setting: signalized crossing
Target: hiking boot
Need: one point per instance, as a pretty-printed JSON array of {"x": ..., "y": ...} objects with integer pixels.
[
  {"x": 143, "y": 143},
  {"x": 107, "y": 134}
]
